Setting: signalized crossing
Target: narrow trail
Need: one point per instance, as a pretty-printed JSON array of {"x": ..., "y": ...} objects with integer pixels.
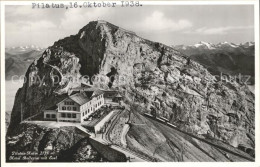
[{"x": 56, "y": 68}]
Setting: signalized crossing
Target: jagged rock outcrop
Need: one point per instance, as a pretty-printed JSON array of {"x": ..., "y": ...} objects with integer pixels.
[
  {"x": 151, "y": 74},
  {"x": 34, "y": 142}
]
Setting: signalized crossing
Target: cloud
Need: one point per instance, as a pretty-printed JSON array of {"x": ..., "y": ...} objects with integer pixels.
[
  {"x": 30, "y": 32},
  {"x": 218, "y": 30},
  {"x": 43, "y": 27},
  {"x": 38, "y": 26},
  {"x": 14, "y": 11},
  {"x": 158, "y": 22},
  {"x": 30, "y": 26},
  {"x": 74, "y": 19}
]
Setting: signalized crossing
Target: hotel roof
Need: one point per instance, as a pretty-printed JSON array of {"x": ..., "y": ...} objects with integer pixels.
[
  {"x": 80, "y": 98},
  {"x": 54, "y": 107},
  {"x": 92, "y": 92},
  {"x": 82, "y": 95},
  {"x": 118, "y": 95}
]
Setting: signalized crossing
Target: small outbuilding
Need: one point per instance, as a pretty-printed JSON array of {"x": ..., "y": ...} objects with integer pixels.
[
  {"x": 118, "y": 98},
  {"x": 50, "y": 114}
]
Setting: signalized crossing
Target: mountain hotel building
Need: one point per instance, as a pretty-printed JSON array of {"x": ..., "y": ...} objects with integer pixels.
[{"x": 76, "y": 107}]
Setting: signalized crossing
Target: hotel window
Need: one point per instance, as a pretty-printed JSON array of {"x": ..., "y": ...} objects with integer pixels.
[
  {"x": 88, "y": 110},
  {"x": 71, "y": 103},
  {"x": 68, "y": 108},
  {"x": 63, "y": 115},
  {"x": 48, "y": 116},
  {"x": 63, "y": 108},
  {"x": 69, "y": 115},
  {"x": 83, "y": 114},
  {"x": 73, "y": 115},
  {"x": 53, "y": 116},
  {"x": 74, "y": 109}
]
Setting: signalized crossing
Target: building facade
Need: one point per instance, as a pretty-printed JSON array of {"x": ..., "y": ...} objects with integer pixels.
[{"x": 76, "y": 107}]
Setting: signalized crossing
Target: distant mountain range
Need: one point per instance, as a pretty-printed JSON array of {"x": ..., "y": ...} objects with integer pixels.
[
  {"x": 202, "y": 47},
  {"x": 225, "y": 57},
  {"x": 18, "y": 59},
  {"x": 23, "y": 49}
]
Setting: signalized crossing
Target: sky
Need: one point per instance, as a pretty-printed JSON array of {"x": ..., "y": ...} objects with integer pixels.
[{"x": 171, "y": 24}]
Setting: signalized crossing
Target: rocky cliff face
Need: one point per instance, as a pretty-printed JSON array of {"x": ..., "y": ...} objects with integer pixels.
[
  {"x": 151, "y": 74},
  {"x": 34, "y": 142}
]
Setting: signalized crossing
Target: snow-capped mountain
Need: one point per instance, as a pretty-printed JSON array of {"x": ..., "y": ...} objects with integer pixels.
[
  {"x": 18, "y": 59},
  {"x": 23, "y": 49},
  {"x": 248, "y": 44},
  {"x": 225, "y": 57},
  {"x": 226, "y": 44},
  {"x": 206, "y": 47},
  {"x": 199, "y": 45}
]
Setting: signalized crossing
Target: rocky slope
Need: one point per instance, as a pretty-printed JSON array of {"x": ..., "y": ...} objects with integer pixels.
[
  {"x": 17, "y": 63},
  {"x": 226, "y": 58},
  {"x": 33, "y": 142},
  {"x": 154, "y": 76},
  {"x": 159, "y": 142}
]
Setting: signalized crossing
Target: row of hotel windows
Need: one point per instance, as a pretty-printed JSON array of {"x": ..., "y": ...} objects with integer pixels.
[
  {"x": 68, "y": 115},
  {"x": 53, "y": 116},
  {"x": 87, "y": 111},
  {"x": 68, "y": 103},
  {"x": 75, "y": 108},
  {"x": 69, "y": 108},
  {"x": 85, "y": 105},
  {"x": 99, "y": 103},
  {"x": 99, "y": 97}
]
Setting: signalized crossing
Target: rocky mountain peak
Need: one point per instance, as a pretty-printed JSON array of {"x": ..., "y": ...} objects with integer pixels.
[
  {"x": 248, "y": 44},
  {"x": 205, "y": 45},
  {"x": 154, "y": 76}
]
